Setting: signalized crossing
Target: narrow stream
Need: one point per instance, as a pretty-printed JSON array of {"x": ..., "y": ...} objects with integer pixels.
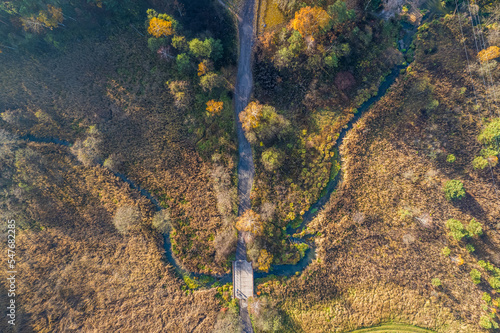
[{"x": 277, "y": 270}]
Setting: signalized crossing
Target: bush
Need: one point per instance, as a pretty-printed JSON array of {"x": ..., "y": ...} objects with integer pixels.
[
  {"x": 272, "y": 159},
  {"x": 490, "y": 133},
  {"x": 494, "y": 282},
  {"x": 436, "y": 282},
  {"x": 451, "y": 158},
  {"x": 445, "y": 251},
  {"x": 486, "y": 297},
  {"x": 470, "y": 248},
  {"x": 126, "y": 218},
  {"x": 479, "y": 162},
  {"x": 476, "y": 276},
  {"x": 457, "y": 230},
  {"x": 454, "y": 190}
]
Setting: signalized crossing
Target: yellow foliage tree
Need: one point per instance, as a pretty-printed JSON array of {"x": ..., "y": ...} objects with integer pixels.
[
  {"x": 264, "y": 261},
  {"x": 158, "y": 27},
  {"x": 250, "y": 117},
  {"x": 490, "y": 53},
  {"x": 214, "y": 107},
  {"x": 309, "y": 20},
  {"x": 250, "y": 221},
  {"x": 202, "y": 68}
]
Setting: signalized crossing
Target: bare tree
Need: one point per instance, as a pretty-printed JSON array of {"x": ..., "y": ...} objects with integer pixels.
[{"x": 126, "y": 218}]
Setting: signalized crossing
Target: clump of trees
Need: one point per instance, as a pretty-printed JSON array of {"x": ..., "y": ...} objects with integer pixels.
[
  {"x": 490, "y": 138},
  {"x": 262, "y": 123},
  {"x": 458, "y": 231}
]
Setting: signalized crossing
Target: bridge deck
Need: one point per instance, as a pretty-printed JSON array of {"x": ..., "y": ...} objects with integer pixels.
[{"x": 242, "y": 279}]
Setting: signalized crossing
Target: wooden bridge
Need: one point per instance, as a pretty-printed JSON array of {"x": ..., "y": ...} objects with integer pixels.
[{"x": 242, "y": 279}]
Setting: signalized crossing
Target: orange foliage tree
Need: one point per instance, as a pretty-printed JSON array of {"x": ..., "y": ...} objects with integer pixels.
[
  {"x": 214, "y": 107},
  {"x": 490, "y": 53},
  {"x": 250, "y": 221},
  {"x": 309, "y": 20},
  {"x": 158, "y": 27}
]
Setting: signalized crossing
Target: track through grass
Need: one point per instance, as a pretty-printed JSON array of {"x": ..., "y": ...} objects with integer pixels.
[{"x": 393, "y": 328}]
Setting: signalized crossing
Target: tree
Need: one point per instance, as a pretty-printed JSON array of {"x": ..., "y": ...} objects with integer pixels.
[
  {"x": 454, "y": 190},
  {"x": 450, "y": 158},
  {"x": 209, "y": 48},
  {"x": 159, "y": 28},
  {"x": 87, "y": 151},
  {"x": 283, "y": 58},
  {"x": 49, "y": 18},
  {"x": 183, "y": 63},
  {"x": 474, "y": 228},
  {"x": 180, "y": 43},
  {"x": 457, "y": 230},
  {"x": 126, "y": 218},
  {"x": 490, "y": 53},
  {"x": 210, "y": 81},
  {"x": 251, "y": 222},
  {"x": 262, "y": 122},
  {"x": 202, "y": 68},
  {"x": 161, "y": 221},
  {"x": 264, "y": 261},
  {"x": 214, "y": 107},
  {"x": 446, "y": 251},
  {"x": 476, "y": 276},
  {"x": 181, "y": 92},
  {"x": 310, "y": 20},
  {"x": 272, "y": 159},
  {"x": 339, "y": 13}
]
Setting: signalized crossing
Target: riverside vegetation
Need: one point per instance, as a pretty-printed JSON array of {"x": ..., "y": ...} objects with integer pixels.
[{"x": 144, "y": 88}]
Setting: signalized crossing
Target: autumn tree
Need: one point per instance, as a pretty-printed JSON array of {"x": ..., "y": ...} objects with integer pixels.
[
  {"x": 250, "y": 222},
  {"x": 310, "y": 20},
  {"x": 272, "y": 159},
  {"x": 214, "y": 107},
  {"x": 210, "y": 81},
  {"x": 262, "y": 122},
  {"x": 490, "y": 53},
  {"x": 49, "y": 18},
  {"x": 265, "y": 260},
  {"x": 181, "y": 92},
  {"x": 161, "y": 25},
  {"x": 162, "y": 222},
  {"x": 126, "y": 218}
]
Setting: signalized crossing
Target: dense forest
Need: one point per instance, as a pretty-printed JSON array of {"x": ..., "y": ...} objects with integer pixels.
[{"x": 118, "y": 148}]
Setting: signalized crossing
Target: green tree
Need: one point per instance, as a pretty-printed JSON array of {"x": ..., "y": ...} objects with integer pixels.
[
  {"x": 454, "y": 190},
  {"x": 209, "y": 48},
  {"x": 445, "y": 251},
  {"x": 210, "y": 81},
  {"x": 183, "y": 63},
  {"x": 339, "y": 13},
  {"x": 476, "y": 276},
  {"x": 180, "y": 43},
  {"x": 450, "y": 158},
  {"x": 474, "y": 228},
  {"x": 272, "y": 159},
  {"x": 457, "y": 230}
]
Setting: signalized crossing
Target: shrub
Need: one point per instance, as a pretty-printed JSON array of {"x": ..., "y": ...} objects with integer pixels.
[
  {"x": 494, "y": 282},
  {"x": 485, "y": 322},
  {"x": 436, "y": 282},
  {"x": 272, "y": 159},
  {"x": 454, "y": 190},
  {"x": 486, "y": 297},
  {"x": 457, "y": 230},
  {"x": 451, "y": 158},
  {"x": 470, "y": 248},
  {"x": 126, "y": 218},
  {"x": 490, "y": 133},
  {"x": 476, "y": 276},
  {"x": 474, "y": 228},
  {"x": 445, "y": 251},
  {"x": 479, "y": 162}
]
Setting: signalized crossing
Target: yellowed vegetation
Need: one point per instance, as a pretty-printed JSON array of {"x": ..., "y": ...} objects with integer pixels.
[
  {"x": 490, "y": 53},
  {"x": 269, "y": 16}
]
